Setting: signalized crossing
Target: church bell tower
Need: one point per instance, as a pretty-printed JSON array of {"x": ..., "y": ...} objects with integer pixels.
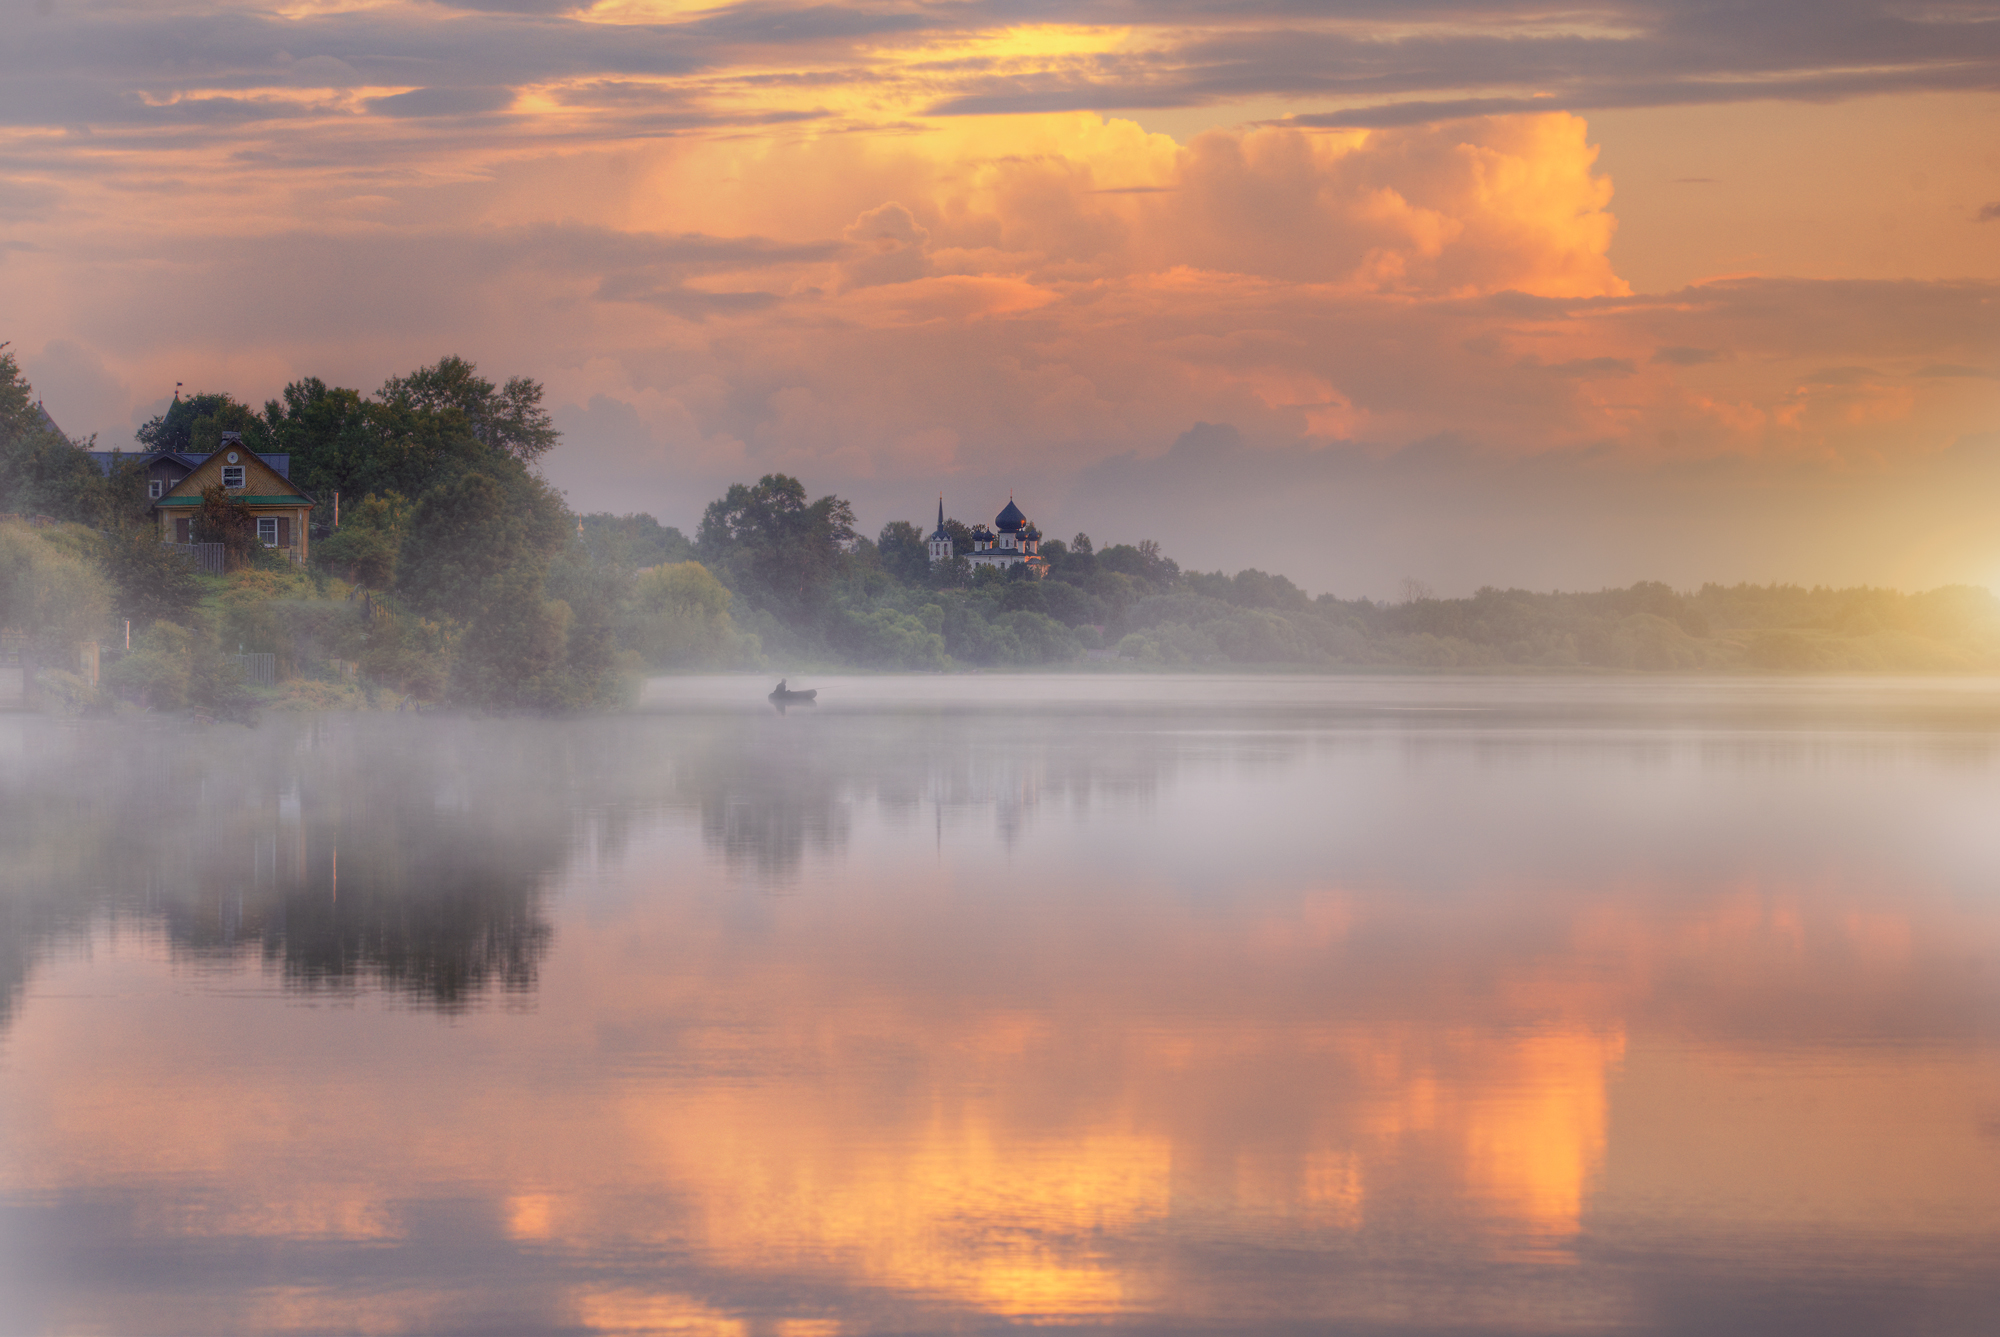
[{"x": 940, "y": 543}]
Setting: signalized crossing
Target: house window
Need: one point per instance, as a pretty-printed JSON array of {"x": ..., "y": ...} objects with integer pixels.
[
  {"x": 154, "y": 488},
  {"x": 267, "y": 530},
  {"x": 232, "y": 475}
]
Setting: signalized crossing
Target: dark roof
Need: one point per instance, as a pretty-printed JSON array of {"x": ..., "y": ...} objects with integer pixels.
[
  {"x": 105, "y": 458},
  {"x": 281, "y": 465},
  {"x": 1010, "y": 519}
]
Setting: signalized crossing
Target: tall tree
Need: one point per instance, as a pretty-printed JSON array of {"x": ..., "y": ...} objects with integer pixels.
[
  {"x": 41, "y": 471},
  {"x": 508, "y": 418},
  {"x": 195, "y": 425},
  {"x": 902, "y": 551},
  {"x": 630, "y": 543},
  {"x": 775, "y": 547},
  {"x": 332, "y": 439}
]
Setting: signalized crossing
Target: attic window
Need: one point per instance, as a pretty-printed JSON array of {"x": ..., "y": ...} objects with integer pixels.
[
  {"x": 232, "y": 475},
  {"x": 154, "y": 488}
]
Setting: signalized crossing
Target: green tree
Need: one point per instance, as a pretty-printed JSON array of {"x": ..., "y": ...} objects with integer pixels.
[
  {"x": 679, "y": 618},
  {"x": 57, "y": 597},
  {"x": 334, "y": 441},
  {"x": 222, "y": 519},
  {"x": 509, "y": 419},
  {"x": 195, "y": 424},
  {"x": 465, "y": 532},
  {"x": 781, "y": 551},
  {"x": 1144, "y": 562},
  {"x": 476, "y": 555},
  {"x": 158, "y": 670},
  {"x": 368, "y": 541},
  {"x": 902, "y": 551},
  {"x": 152, "y": 582},
  {"x": 628, "y": 543},
  {"x": 514, "y": 651},
  {"x": 41, "y": 471}
]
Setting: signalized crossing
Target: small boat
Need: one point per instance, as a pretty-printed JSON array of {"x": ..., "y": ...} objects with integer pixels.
[{"x": 782, "y": 695}]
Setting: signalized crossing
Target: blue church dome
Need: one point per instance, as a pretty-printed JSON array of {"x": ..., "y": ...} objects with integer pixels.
[{"x": 1010, "y": 520}]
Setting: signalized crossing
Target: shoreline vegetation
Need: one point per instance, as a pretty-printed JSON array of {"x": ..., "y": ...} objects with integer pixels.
[{"x": 459, "y": 578}]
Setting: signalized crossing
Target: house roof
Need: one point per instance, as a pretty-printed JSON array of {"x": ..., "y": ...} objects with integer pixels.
[
  {"x": 279, "y": 466},
  {"x": 105, "y": 459},
  {"x": 48, "y": 423}
]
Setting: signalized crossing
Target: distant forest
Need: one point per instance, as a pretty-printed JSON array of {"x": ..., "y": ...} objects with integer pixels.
[
  {"x": 878, "y": 603},
  {"x": 459, "y": 575}
]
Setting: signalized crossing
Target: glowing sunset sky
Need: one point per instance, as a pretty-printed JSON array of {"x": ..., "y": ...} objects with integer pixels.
[{"x": 1478, "y": 292}]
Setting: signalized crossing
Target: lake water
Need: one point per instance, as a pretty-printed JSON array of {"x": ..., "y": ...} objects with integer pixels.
[{"x": 957, "y": 1004}]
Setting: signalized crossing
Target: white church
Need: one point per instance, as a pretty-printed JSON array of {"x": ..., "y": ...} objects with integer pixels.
[{"x": 1013, "y": 541}]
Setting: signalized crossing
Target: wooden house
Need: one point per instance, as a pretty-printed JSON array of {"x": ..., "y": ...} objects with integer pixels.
[{"x": 255, "y": 482}]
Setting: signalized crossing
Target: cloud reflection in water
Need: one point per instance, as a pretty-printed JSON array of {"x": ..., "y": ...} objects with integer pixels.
[{"x": 1367, "y": 1007}]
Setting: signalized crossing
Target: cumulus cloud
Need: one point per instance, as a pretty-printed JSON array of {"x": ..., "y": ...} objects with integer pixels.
[
  {"x": 854, "y": 242},
  {"x": 1059, "y": 290},
  {"x": 889, "y": 247}
]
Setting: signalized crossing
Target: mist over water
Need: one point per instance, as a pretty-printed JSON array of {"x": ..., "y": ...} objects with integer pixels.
[{"x": 1198, "y": 1004}]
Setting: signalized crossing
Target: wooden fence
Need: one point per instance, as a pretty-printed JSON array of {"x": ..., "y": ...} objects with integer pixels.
[
  {"x": 260, "y": 669},
  {"x": 207, "y": 557}
]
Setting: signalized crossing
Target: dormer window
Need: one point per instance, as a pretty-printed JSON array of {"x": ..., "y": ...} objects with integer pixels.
[
  {"x": 232, "y": 476},
  {"x": 154, "y": 488}
]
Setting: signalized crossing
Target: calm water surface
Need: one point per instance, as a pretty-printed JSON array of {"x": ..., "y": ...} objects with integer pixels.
[{"x": 961, "y": 1004}]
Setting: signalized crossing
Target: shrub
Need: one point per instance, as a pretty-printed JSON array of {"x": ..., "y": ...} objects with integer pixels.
[
  {"x": 888, "y": 639},
  {"x": 58, "y": 597},
  {"x": 64, "y": 693},
  {"x": 678, "y": 617},
  {"x": 157, "y": 671}
]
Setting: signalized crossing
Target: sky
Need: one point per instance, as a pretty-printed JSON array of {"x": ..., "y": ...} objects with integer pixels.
[{"x": 1463, "y": 291}]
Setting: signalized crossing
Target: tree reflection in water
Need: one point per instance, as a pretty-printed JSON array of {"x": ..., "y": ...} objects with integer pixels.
[
  {"x": 345, "y": 853},
  {"x": 411, "y": 855}
]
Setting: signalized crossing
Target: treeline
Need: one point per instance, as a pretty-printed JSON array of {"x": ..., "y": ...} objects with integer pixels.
[
  {"x": 809, "y": 588},
  {"x": 457, "y": 574}
]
